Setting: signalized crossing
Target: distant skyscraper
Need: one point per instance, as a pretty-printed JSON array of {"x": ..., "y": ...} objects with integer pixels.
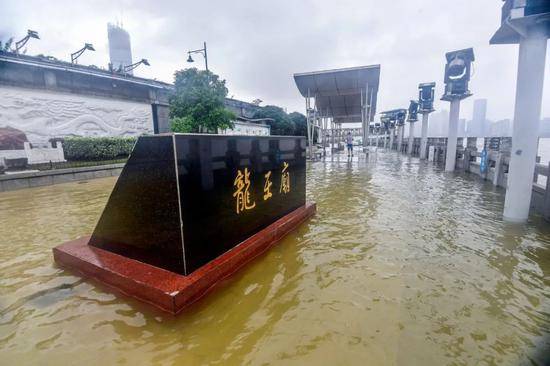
[
  {"x": 439, "y": 124},
  {"x": 462, "y": 127},
  {"x": 120, "y": 50},
  {"x": 478, "y": 127}
]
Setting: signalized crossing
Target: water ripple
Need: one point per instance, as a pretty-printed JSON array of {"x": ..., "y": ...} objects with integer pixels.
[{"x": 403, "y": 264}]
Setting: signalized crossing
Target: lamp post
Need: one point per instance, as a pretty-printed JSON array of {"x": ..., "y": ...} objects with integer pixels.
[
  {"x": 426, "y": 101},
  {"x": 527, "y": 23},
  {"x": 400, "y": 121},
  {"x": 203, "y": 52},
  {"x": 131, "y": 67},
  {"x": 457, "y": 76},
  {"x": 30, "y": 34},
  {"x": 77, "y": 54},
  {"x": 413, "y": 117}
]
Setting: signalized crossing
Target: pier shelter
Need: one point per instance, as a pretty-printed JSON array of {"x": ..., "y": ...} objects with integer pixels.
[{"x": 338, "y": 97}]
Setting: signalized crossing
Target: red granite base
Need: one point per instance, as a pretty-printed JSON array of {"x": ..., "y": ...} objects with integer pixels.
[{"x": 167, "y": 290}]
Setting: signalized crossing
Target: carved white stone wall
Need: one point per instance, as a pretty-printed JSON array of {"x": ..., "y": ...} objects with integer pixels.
[{"x": 43, "y": 114}]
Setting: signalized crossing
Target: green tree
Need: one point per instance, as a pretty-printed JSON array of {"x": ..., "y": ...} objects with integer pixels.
[
  {"x": 300, "y": 123},
  {"x": 197, "y": 104},
  {"x": 280, "y": 122}
]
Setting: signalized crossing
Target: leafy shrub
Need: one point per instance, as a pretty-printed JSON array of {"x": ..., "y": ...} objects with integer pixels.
[{"x": 97, "y": 148}]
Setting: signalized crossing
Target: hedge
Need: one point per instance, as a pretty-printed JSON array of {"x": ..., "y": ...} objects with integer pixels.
[{"x": 97, "y": 148}]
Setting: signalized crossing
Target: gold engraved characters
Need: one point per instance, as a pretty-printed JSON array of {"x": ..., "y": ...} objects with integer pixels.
[
  {"x": 267, "y": 186},
  {"x": 285, "y": 179},
  {"x": 242, "y": 194},
  {"x": 243, "y": 199}
]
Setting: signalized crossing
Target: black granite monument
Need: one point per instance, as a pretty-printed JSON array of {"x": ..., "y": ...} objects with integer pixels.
[{"x": 182, "y": 200}]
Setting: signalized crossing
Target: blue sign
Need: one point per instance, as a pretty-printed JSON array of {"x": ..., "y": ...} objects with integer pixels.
[{"x": 483, "y": 163}]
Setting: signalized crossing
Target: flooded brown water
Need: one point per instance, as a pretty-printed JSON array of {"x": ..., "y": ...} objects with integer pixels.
[{"x": 402, "y": 265}]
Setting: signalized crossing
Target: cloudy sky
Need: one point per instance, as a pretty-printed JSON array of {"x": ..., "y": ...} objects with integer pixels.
[{"x": 258, "y": 45}]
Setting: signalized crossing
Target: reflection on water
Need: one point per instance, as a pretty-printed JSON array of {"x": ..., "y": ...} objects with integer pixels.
[{"x": 403, "y": 264}]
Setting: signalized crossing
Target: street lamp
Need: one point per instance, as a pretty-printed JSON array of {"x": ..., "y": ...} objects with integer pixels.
[
  {"x": 426, "y": 93},
  {"x": 203, "y": 52},
  {"x": 457, "y": 74},
  {"x": 134, "y": 65},
  {"x": 525, "y": 22},
  {"x": 22, "y": 42},
  {"x": 77, "y": 54},
  {"x": 413, "y": 111}
]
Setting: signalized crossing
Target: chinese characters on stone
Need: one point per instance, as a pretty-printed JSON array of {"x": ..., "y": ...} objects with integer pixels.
[
  {"x": 243, "y": 199},
  {"x": 285, "y": 179},
  {"x": 242, "y": 194}
]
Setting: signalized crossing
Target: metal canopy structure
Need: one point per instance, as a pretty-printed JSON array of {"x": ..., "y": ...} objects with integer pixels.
[{"x": 340, "y": 96}]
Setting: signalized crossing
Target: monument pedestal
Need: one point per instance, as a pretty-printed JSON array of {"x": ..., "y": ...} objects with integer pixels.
[{"x": 168, "y": 290}]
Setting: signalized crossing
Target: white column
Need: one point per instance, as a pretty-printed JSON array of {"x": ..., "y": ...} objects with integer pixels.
[
  {"x": 424, "y": 136},
  {"x": 392, "y": 133},
  {"x": 399, "y": 137},
  {"x": 309, "y": 126},
  {"x": 385, "y": 138},
  {"x": 332, "y": 135},
  {"x": 363, "y": 117},
  {"x": 531, "y": 63},
  {"x": 411, "y": 138},
  {"x": 452, "y": 136}
]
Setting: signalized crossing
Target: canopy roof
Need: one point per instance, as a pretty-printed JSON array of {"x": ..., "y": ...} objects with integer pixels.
[{"x": 338, "y": 92}]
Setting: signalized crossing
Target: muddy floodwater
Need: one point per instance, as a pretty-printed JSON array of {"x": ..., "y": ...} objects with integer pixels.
[{"x": 402, "y": 265}]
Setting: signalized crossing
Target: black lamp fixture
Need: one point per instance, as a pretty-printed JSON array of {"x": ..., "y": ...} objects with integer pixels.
[
  {"x": 385, "y": 122},
  {"x": 413, "y": 111},
  {"x": 77, "y": 54},
  {"x": 30, "y": 34},
  {"x": 457, "y": 73},
  {"x": 426, "y": 94},
  {"x": 129, "y": 68},
  {"x": 400, "y": 115},
  {"x": 203, "y": 52},
  {"x": 520, "y": 16},
  {"x": 393, "y": 117}
]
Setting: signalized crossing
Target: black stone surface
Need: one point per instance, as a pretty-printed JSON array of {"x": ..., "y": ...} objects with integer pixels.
[{"x": 141, "y": 219}]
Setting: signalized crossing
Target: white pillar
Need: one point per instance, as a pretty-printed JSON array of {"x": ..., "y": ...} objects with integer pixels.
[
  {"x": 392, "y": 133},
  {"x": 531, "y": 63},
  {"x": 424, "y": 136},
  {"x": 332, "y": 135},
  {"x": 452, "y": 136},
  {"x": 400, "y": 132},
  {"x": 411, "y": 138},
  {"x": 385, "y": 138}
]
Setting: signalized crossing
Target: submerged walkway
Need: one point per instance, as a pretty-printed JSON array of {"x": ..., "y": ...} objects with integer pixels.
[{"x": 403, "y": 264}]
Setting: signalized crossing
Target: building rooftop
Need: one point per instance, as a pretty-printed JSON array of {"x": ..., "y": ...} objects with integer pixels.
[{"x": 53, "y": 63}]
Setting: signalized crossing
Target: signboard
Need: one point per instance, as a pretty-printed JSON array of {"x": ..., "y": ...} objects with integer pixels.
[
  {"x": 483, "y": 161},
  {"x": 182, "y": 200}
]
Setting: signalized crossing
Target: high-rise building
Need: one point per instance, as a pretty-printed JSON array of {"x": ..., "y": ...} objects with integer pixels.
[
  {"x": 544, "y": 127},
  {"x": 501, "y": 128},
  {"x": 120, "y": 50},
  {"x": 478, "y": 126},
  {"x": 462, "y": 127}
]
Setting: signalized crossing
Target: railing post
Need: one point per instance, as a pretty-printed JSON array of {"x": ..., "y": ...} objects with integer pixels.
[
  {"x": 466, "y": 161},
  {"x": 498, "y": 169},
  {"x": 535, "y": 173}
]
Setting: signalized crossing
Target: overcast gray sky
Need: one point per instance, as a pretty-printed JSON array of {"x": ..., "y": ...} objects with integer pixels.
[{"x": 258, "y": 45}]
